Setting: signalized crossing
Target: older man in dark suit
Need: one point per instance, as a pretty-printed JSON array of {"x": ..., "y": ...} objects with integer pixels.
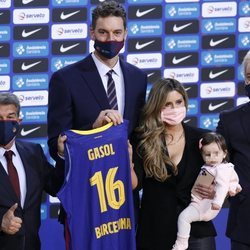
[
  {"x": 24, "y": 174},
  {"x": 234, "y": 125}
]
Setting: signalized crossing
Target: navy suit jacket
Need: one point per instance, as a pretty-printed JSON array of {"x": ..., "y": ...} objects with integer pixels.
[
  {"x": 234, "y": 125},
  {"x": 40, "y": 176},
  {"x": 77, "y": 96}
]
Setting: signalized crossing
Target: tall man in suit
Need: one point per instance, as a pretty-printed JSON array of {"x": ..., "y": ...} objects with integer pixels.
[
  {"x": 234, "y": 125},
  {"x": 78, "y": 93},
  {"x": 20, "y": 202}
]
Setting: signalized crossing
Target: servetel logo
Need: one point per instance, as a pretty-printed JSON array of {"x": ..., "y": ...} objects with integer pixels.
[
  {"x": 32, "y": 98},
  {"x": 69, "y": 15},
  {"x": 144, "y": 44},
  {"x": 182, "y": 27},
  {"x": 145, "y": 12}
]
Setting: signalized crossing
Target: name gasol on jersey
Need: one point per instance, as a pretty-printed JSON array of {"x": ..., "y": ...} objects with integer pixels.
[{"x": 100, "y": 152}]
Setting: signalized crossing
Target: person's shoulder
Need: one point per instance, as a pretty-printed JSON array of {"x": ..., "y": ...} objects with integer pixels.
[
  {"x": 132, "y": 67},
  {"x": 27, "y": 145},
  {"x": 236, "y": 109},
  {"x": 69, "y": 68}
]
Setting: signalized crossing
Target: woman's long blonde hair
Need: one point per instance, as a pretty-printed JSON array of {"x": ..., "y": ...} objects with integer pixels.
[{"x": 152, "y": 130}]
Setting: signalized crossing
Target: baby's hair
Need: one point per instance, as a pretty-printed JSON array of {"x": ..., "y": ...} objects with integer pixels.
[{"x": 211, "y": 137}]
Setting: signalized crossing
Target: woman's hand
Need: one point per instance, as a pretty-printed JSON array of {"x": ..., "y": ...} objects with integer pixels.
[{"x": 205, "y": 192}]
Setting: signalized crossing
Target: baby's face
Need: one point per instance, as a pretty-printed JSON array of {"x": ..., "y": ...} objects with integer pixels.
[{"x": 212, "y": 154}]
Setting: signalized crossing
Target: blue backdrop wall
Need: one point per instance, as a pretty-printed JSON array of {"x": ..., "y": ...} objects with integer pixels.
[{"x": 200, "y": 43}]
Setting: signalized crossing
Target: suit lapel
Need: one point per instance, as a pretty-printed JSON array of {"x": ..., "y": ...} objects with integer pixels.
[
  {"x": 6, "y": 184},
  {"x": 245, "y": 120},
  {"x": 23, "y": 152},
  {"x": 127, "y": 87},
  {"x": 93, "y": 80}
]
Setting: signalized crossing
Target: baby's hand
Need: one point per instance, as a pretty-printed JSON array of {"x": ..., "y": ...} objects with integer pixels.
[{"x": 215, "y": 207}]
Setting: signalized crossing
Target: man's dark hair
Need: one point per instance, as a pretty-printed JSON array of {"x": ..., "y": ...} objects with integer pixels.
[{"x": 106, "y": 9}]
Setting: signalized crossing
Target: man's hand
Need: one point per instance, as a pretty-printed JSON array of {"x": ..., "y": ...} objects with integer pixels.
[
  {"x": 60, "y": 145},
  {"x": 205, "y": 192},
  {"x": 10, "y": 223},
  {"x": 106, "y": 116}
]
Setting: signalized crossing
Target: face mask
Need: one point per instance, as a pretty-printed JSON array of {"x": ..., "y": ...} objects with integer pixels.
[
  {"x": 173, "y": 116},
  {"x": 108, "y": 49},
  {"x": 8, "y": 130},
  {"x": 247, "y": 88}
]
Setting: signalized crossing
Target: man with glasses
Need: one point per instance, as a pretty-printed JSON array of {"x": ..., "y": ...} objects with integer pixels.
[{"x": 234, "y": 125}]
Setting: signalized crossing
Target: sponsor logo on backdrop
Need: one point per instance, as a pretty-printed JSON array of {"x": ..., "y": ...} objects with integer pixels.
[
  {"x": 30, "y": 49},
  {"x": 69, "y": 2},
  {"x": 183, "y": 75},
  {"x": 182, "y": 27},
  {"x": 4, "y": 66},
  {"x": 217, "y": 74},
  {"x": 145, "y": 61},
  {"x": 177, "y": 1},
  {"x": 144, "y": 44},
  {"x": 222, "y": 25},
  {"x": 4, "y": 49},
  {"x": 69, "y": 47},
  {"x": 145, "y": 28},
  {"x": 32, "y": 98},
  {"x": 4, "y": 16},
  {"x": 33, "y": 32},
  {"x": 216, "y": 105},
  {"x": 145, "y": 12},
  {"x": 180, "y": 43},
  {"x": 177, "y": 11},
  {"x": 34, "y": 115},
  {"x": 210, "y": 90},
  {"x": 209, "y": 121},
  {"x": 241, "y": 100},
  {"x": 60, "y": 62},
  {"x": 43, "y": 212},
  {"x": 220, "y": 9},
  {"x": 244, "y": 40},
  {"x": 69, "y": 31},
  {"x": 53, "y": 199},
  {"x": 192, "y": 90},
  {"x": 28, "y": 82},
  {"x": 32, "y": 130},
  {"x": 5, "y": 4},
  {"x": 30, "y": 65},
  {"x": 31, "y": 16},
  {"x": 244, "y": 24},
  {"x": 191, "y": 120},
  {"x": 181, "y": 59},
  {"x": 69, "y": 15},
  {"x": 28, "y": 3},
  {"x": 4, "y": 83},
  {"x": 192, "y": 107},
  {"x": 219, "y": 57},
  {"x": 153, "y": 75},
  {"x": 241, "y": 55},
  {"x": 4, "y": 33},
  {"x": 244, "y": 8},
  {"x": 218, "y": 41}
]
